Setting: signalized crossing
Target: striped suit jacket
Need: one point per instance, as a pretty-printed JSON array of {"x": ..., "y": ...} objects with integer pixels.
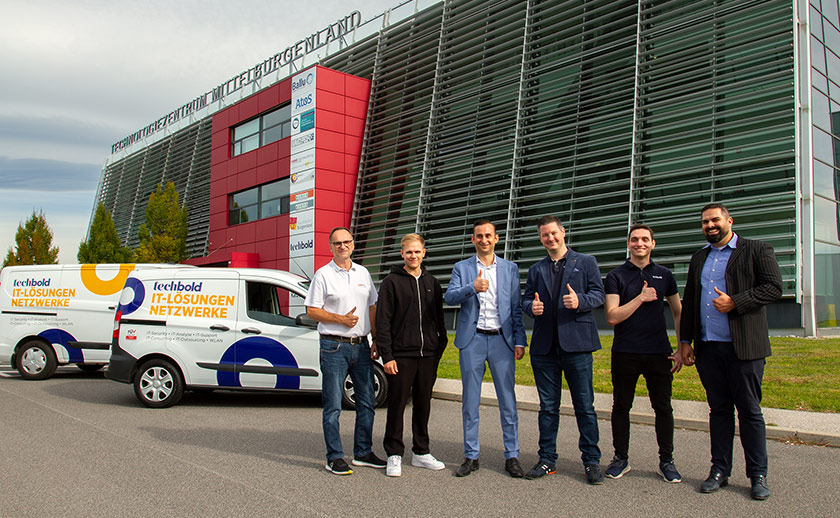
[{"x": 753, "y": 280}]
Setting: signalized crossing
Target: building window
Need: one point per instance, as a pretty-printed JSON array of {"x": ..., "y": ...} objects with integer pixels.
[
  {"x": 263, "y": 201},
  {"x": 265, "y": 129}
]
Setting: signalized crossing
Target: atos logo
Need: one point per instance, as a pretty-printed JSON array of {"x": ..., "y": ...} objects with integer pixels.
[
  {"x": 303, "y": 102},
  {"x": 302, "y": 245}
]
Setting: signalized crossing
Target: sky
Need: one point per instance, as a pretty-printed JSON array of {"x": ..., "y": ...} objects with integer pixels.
[{"x": 79, "y": 76}]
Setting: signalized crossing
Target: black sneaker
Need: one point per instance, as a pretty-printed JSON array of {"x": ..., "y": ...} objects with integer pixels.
[
  {"x": 339, "y": 467},
  {"x": 669, "y": 472},
  {"x": 541, "y": 469},
  {"x": 370, "y": 460},
  {"x": 593, "y": 474},
  {"x": 618, "y": 467}
]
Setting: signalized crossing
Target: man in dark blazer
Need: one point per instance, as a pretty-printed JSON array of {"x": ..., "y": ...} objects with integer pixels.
[
  {"x": 560, "y": 294},
  {"x": 489, "y": 331},
  {"x": 730, "y": 282}
]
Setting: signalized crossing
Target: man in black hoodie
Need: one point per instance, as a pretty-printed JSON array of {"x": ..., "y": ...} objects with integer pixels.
[{"x": 410, "y": 337}]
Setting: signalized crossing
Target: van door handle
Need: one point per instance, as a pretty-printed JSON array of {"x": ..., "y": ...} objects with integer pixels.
[
  {"x": 218, "y": 327},
  {"x": 251, "y": 331}
]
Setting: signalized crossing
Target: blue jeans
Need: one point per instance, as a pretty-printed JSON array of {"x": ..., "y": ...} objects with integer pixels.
[
  {"x": 548, "y": 372},
  {"x": 337, "y": 359}
]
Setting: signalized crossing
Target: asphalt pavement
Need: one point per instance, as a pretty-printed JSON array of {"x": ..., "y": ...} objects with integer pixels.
[{"x": 80, "y": 445}]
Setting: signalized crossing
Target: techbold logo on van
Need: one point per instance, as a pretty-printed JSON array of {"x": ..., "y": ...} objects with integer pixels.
[
  {"x": 36, "y": 293},
  {"x": 176, "y": 286},
  {"x": 25, "y": 283}
]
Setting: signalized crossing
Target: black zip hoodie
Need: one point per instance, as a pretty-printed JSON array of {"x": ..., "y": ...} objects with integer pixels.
[{"x": 409, "y": 316}]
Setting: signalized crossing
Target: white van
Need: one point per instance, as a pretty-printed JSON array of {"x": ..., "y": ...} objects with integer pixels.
[
  {"x": 53, "y": 314},
  {"x": 225, "y": 328}
]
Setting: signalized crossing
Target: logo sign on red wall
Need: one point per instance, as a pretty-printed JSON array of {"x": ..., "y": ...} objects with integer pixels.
[{"x": 302, "y": 173}]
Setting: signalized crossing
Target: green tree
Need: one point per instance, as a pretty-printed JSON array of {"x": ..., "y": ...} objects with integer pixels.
[
  {"x": 103, "y": 244},
  {"x": 163, "y": 236},
  {"x": 33, "y": 243}
]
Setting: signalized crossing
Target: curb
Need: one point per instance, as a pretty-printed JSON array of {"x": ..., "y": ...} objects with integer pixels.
[{"x": 773, "y": 432}]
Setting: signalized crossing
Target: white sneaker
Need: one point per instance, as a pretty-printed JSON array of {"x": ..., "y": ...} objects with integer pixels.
[
  {"x": 427, "y": 461},
  {"x": 394, "y": 468}
]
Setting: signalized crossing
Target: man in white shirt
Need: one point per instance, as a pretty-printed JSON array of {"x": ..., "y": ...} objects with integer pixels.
[{"x": 342, "y": 299}]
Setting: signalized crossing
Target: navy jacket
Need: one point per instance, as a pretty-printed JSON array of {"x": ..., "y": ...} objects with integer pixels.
[{"x": 576, "y": 328}]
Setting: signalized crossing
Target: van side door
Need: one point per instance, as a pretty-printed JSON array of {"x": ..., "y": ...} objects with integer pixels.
[{"x": 277, "y": 353}]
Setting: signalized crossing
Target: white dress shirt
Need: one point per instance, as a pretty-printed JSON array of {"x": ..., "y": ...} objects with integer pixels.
[{"x": 488, "y": 312}]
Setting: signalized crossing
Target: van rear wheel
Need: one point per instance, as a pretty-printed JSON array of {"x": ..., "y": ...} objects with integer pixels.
[
  {"x": 36, "y": 361},
  {"x": 158, "y": 384}
]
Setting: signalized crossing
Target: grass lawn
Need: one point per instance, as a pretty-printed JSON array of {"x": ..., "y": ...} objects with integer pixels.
[{"x": 802, "y": 374}]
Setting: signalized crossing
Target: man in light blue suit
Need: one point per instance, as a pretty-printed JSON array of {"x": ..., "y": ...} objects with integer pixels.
[
  {"x": 489, "y": 330},
  {"x": 561, "y": 291}
]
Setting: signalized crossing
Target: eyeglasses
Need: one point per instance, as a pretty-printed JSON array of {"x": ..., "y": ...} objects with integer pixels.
[{"x": 339, "y": 244}]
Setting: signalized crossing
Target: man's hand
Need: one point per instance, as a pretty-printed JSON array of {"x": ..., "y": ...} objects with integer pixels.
[
  {"x": 647, "y": 294},
  {"x": 686, "y": 353},
  {"x": 518, "y": 352},
  {"x": 349, "y": 319},
  {"x": 724, "y": 302},
  {"x": 391, "y": 367},
  {"x": 480, "y": 284},
  {"x": 678, "y": 362},
  {"x": 570, "y": 300},
  {"x": 374, "y": 352},
  {"x": 537, "y": 307}
]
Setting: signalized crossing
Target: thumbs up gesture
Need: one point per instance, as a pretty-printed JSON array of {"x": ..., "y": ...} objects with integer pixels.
[
  {"x": 723, "y": 302},
  {"x": 537, "y": 307},
  {"x": 349, "y": 319},
  {"x": 481, "y": 284},
  {"x": 570, "y": 300},
  {"x": 647, "y": 294}
]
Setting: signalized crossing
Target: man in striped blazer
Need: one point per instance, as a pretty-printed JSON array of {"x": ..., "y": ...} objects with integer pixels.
[{"x": 730, "y": 282}]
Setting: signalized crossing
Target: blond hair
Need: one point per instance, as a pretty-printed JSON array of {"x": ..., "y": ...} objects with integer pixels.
[{"x": 408, "y": 238}]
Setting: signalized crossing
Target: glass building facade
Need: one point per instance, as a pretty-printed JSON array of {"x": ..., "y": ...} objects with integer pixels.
[{"x": 603, "y": 112}]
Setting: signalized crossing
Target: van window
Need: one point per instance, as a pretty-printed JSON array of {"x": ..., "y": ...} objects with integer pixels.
[{"x": 268, "y": 303}]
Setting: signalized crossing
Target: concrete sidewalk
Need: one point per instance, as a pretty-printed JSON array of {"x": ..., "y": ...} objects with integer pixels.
[{"x": 782, "y": 425}]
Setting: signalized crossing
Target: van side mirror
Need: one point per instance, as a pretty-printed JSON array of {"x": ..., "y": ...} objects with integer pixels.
[{"x": 305, "y": 321}]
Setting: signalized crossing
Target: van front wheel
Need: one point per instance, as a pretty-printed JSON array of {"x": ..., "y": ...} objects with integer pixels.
[
  {"x": 36, "y": 361},
  {"x": 158, "y": 384}
]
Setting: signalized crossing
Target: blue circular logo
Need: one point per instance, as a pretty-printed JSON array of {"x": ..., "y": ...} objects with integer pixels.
[{"x": 139, "y": 294}]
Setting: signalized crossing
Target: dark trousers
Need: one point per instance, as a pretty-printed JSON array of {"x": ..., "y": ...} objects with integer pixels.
[
  {"x": 415, "y": 377},
  {"x": 656, "y": 369},
  {"x": 731, "y": 383}
]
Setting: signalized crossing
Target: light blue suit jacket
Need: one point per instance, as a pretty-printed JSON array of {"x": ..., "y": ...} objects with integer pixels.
[{"x": 461, "y": 291}]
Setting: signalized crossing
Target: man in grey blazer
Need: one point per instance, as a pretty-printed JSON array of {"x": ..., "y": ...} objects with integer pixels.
[
  {"x": 730, "y": 282},
  {"x": 489, "y": 330},
  {"x": 561, "y": 292}
]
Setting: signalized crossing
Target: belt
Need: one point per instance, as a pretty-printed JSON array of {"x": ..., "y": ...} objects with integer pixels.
[
  {"x": 345, "y": 339},
  {"x": 488, "y": 331}
]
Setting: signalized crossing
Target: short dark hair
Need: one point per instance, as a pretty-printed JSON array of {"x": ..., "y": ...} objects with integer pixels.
[
  {"x": 720, "y": 206},
  {"x": 479, "y": 222},
  {"x": 547, "y": 220},
  {"x": 336, "y": 229},
  {"x": 639, "y": 226}
]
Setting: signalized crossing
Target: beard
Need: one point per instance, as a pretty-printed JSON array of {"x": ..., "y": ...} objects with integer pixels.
[{"x": 715, "y": 238}]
